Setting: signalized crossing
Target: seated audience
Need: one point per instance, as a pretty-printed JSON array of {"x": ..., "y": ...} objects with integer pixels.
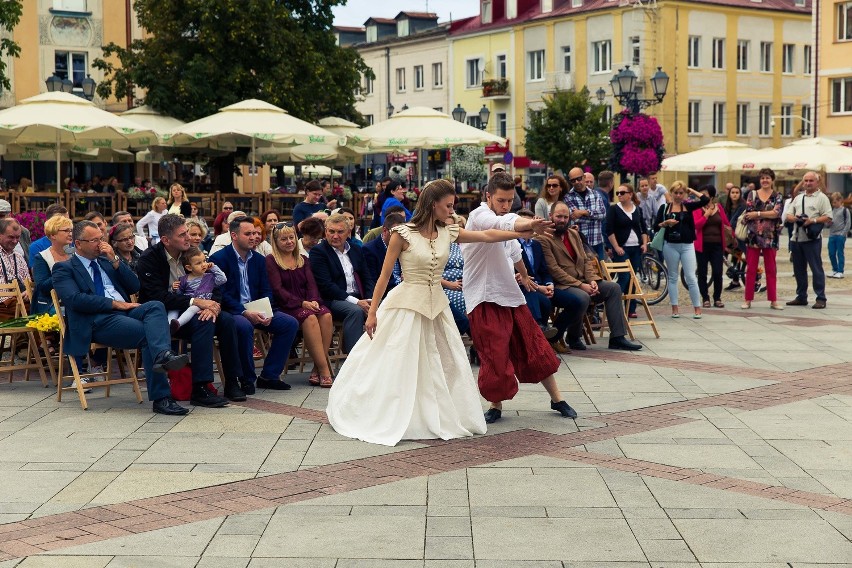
[
  {"x": 43, "y": 243},
  {"x": 224, "y": 239},
  {"x": 313, "y": 203},
  {"x": 120, "y": 217},
  {"x": 200, "y": 280},
  {"x": 197, "y": 234},
  {"x": 158, "y": 269},
  {"x": 178, "y": 203},
  {"x": 312, "y": 230},
  {"x": 376, "y": 250},
  {"x": 451, "y": 281},
  {"x": 96, "y": 295},
  {"x": 538, "y": 300},
  {"x": 13, "y": 265},
  {"x": 58, "y": 230},
  {"x": 578, "y": 283},
  {"x": 26, "y": 240},
  {"x": 393, "y": 196},
  {"x": 247, "y": 282},
  {"x": 222, "y": 219},
  {"x": 296, "y": 294},
  {"x": 261, "y": 245},
  {"x": 376, "y": 231},
  {"x": 123, "y": 241},
  {"x": 151, "y": 219},
  {"x": 343, "y": 279}
]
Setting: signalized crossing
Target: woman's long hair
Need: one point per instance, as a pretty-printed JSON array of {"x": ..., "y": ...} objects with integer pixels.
[
  {"x": 279, "y": 254},
  {"x": 172, "y": 197},
  {"x": 731, "y": 206},
  {"x": 433, "y": 192},
  {"x": 563, "y": 189}
]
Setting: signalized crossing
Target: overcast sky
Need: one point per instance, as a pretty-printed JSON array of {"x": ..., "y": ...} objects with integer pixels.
[{"x": 356, "y": 12}]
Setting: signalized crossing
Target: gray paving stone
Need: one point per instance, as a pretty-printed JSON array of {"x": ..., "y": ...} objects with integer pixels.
[{"x": 449, "y": 548}]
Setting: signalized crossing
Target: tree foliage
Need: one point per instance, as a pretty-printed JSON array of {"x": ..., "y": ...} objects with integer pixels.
[
  {"x": 10, "y": 15},
  {"x": 570, "y": 131},
  {"x": 201, "y": 55},
  {"x": 468, "y": 164}
]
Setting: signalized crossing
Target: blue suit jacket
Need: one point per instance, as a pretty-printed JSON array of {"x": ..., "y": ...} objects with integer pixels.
[
  {"x": 329, "y": 275},
  {"x": 76, "y": 289},
  {"x": 540, "y": 274},
  {"x": 226, "y": 260},
  {"x": 375, "y": 252}
]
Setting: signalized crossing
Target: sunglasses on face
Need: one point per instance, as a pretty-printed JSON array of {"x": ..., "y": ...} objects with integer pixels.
[
  {"x": 622, "y": 192},
  {"x": 553, "y": 185},
  {"x": 576, "y": 179}
]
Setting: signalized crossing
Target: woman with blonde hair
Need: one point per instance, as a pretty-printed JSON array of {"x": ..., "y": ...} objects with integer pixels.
[
  {"x": 178, "y": 203},
  {"x": 296, "y": 293},
  {"x": 151, "y": 220},
  {"x": 58, "y": 231},
  {"x": 553, "y": 190}
]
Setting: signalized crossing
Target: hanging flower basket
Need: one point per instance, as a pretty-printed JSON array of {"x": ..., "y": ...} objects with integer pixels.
[{"x": 637, "y": 141}]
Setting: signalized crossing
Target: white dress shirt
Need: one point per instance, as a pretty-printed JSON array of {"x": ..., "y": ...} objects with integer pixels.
[
  {"x": 348, "y": 272},
  {"x": 488, "y": 277}
]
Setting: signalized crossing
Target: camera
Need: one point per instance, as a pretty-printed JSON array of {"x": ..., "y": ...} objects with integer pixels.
[
  {"x": 800, "y": 219},
  {"x": 674, "y": 235}
]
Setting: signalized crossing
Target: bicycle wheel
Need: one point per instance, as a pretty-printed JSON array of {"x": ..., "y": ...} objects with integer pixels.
[{"x": 653, "y": 279}]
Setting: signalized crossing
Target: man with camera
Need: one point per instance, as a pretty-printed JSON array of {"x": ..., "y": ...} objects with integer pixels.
[{"x": 810, "y": 211}]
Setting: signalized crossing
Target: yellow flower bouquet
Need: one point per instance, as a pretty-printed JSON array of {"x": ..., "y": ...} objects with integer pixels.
[{"x": 45, "y": 322}]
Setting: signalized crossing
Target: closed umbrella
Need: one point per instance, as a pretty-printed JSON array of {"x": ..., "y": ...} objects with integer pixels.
[
  {"x": 725, "y": 156},
  {"x": 252, "y": 123},
  {"x": 66, "y": 119}
]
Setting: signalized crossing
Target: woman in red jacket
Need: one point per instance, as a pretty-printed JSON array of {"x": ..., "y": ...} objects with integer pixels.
[{"x": 710, "y": 225}]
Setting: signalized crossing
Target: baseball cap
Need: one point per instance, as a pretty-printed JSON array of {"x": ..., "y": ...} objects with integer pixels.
[
  {"x": 5, "y": 206},
  {"x": 498, "y": 167}
]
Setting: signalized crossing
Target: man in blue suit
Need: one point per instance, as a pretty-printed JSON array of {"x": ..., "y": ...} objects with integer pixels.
[
  {"x": 96, "y": 294},
  {"x": 376, "y": 250},
  {"x": 343, "y": 279},
  {"x": 247, "y": 281},
  {"x": 538, "y": 300}
]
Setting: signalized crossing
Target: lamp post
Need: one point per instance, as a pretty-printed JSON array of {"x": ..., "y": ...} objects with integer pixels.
[
  {"x": 601, "y": 95},
  {"x": 390, "y": 110},
  {"x": 55, "y": 83},
  {"x": 460, "y": 114},
  {"x": 623, "y": 86}
]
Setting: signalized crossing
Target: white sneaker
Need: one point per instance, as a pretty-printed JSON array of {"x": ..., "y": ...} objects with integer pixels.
[
  {"x": 95, "y": 370},
  {"x": 838, "y": 275}
]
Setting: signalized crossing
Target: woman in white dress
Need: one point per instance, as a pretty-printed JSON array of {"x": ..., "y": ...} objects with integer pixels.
[{"x": 408, "y": 377}]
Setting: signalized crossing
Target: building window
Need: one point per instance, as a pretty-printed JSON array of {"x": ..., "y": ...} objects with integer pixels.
[
  {"x": 718, "y": 53},
  {"x": 607, "y": 117},
  {"x": 844, "y": 21},
  {"x": 766, "y": 56},
  {"x": 602, "y": 53},
  {"x": 807, "y": 61},
  {"x": 692, "y": 58},
  {"x": 474, "y": 121},
  {"x": 764, "y": 120},
  {"x": 485, "y": 11},
  {"x": 576, "y": 3},
  {"x": 786, "y": 120},
  {"x": 546, "y": 6},
  {"x": 806, "y": 120},
  {"x": 787, "y": 53},
  {"x": 501, "y": 66},
  {"x": 718, "y": 118},
  {"x": 566, "y": 58},
  {"x": 743, "y": 46},
  {"x": 437, "y": 75},
  {"x": 372, "y": 34},
  {"x": 402, "y": 27},
  {"x": 635, "y": 50},
  {"x": 692, "y": 118},
  {"x": 369, "y": 119},
  {"x": 742, "y": 119},
  {"x": 71, "y": 65},
  {"x": 473, "y": 74},
  {"x": 400, "y": 80},
  {"x": 70, "y": 5},
  {"x": 841, "y": 95},
  {"x": 535, "y": 65},
  {"x": 511, "y": 9},
  {"x": 501, "y": 124},
  {"x": 419, "y": 78},
  {"x": 367, "y": 89}
]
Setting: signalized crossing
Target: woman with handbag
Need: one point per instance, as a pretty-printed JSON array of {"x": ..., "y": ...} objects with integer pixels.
[
  {"x": 711, "y": 222},
  {"x": 678, "y": 223},
  {"x": 762, "y": 219},
  {"x": 734, "y": 207},
  {"x": 625, "y": 226}
]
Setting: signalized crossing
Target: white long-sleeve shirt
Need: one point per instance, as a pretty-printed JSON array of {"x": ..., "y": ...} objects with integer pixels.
[{"x": 150, "y": 221}]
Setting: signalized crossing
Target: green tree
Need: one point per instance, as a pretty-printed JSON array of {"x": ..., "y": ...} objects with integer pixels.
[
  {"x": 10, "y": 15},
  {"x": 202, "y": 55},
  {"x": 570, "y": 131},
  {"x": 468, "y": 163}
]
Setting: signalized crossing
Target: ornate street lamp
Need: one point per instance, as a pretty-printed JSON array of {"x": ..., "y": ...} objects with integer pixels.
[
  {"x": 601, "y": 95},
  {"x": 484, "y": 115},
  {"x": 623, "y": 86},
  {"x": 390, "y": 110},
  {"x": 459, "y": 113},
  {"x": 54, "y": 83},
  {"x": 88, "y": 84}
]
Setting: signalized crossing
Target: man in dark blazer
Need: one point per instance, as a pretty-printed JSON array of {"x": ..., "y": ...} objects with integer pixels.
[
  {"x": 247, "y": 281},
  {"x": 376, "y": 250},
  {"x": 96, "y": 294},
  {"x": 159, "y": 267},
  {"x": 343, "y": 279},
  {"x": 538, "y": 300}
]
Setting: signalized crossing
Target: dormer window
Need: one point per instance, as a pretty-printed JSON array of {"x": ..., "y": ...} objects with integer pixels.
[
  {"x": 485, "y": 13},
  {"x": 402, "y": 29},
  {"x": 546, "y": 6},
  {"x": 372, "y": 34},
  {"x": 511, "y": 9}
]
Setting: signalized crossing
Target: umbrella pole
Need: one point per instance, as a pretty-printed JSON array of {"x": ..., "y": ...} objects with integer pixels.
[
  {"x": 58, "y": 166},
  {"x": 253, "y": 172},
  {"x": 32, "y": 171}
]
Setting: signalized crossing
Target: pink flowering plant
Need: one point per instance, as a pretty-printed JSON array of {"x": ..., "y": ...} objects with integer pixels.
[
  {"x": 34, "y": 221},
  {"x": 637, "y": 144}
]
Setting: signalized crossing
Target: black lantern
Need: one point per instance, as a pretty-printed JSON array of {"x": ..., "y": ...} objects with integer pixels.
[
  {"x": 484, "y": 115},
  {"x": 459, "y": 113},
  {"x": 88, "y": 84},
  {"x": 660, "y": 83}
]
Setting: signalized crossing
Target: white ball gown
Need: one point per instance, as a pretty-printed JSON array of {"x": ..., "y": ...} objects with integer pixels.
[{"x": 412, "y": 380}]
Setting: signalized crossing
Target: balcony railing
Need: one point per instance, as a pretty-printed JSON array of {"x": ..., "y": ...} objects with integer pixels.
[{"x": 493, "y": 88}]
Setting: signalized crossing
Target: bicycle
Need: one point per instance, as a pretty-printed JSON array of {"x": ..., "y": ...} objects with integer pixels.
[
  {"x": 735, "y": 269},
  {"x": 653, "y": 278}
]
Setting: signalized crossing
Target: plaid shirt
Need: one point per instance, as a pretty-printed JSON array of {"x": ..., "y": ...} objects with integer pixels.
[
  {"x": 591, "y": 226},
  {"x": 13, "y": 267}
]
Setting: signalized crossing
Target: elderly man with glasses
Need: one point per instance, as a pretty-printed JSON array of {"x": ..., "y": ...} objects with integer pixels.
[{"x": 588, "y": 210}]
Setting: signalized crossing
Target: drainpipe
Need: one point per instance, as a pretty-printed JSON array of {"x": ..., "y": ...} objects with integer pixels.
[
  {"x": 815, "y": 71},
  {"x": 387, "y": 78},
  {"x": 128, "y": 31}
]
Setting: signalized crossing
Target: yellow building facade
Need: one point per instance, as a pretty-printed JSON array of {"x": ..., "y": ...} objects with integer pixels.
[{"x": 833, "y": 96}]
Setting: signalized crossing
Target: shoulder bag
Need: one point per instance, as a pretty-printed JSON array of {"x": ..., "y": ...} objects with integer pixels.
[
  {"x": 741, "y": 231},
  {"x": 660, "y": 236}
]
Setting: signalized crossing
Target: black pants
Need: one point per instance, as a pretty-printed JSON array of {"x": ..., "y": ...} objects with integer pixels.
[
  {"x": 712, "y": 253},
  {"x": 808, "y": 254}
]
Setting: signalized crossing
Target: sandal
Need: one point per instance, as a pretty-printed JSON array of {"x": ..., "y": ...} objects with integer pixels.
[
  {"x": 719, "y": 304},
  {"x": 314, "y": 379},
  {"x": 706, "y": 304},
  {"x": 326, "y": 382},
  {"x": 746, "y": 305}
]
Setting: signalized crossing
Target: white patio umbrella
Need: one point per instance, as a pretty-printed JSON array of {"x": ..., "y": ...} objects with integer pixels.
[
  {"x": 818, "y": 154},
  {"x": 722, "y": 156},
  {"x": 251, "y": 123},
  {"x": 63, "y": 118},
  {"x": 47, "y": 153},
  {"x": 423, "y": 127}
]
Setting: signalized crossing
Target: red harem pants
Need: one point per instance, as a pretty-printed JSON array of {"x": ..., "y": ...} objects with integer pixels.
[
  {"x": 770, "y": 274},
  {"x": 511, "y": 348}
]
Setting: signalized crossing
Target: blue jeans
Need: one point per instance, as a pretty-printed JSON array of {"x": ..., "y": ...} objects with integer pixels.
[
  {"x": 283, "y": 330},
  {"x": 634, "y": 255},
  {"x": 836, "y": 254},
  {"x": 675, "y": 255},
  {"x": 599, "y": 250},
  {"x": 539, "y": 305}
]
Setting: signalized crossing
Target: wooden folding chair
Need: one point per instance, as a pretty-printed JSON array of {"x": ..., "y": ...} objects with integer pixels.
[
  {"x": 336, "y": 356},
  {"x": 634, "y": 292},
  {"x": 44, "y": 355},
  {"x": 32, "y": 359},
  {"x": 108, "y": 380}
]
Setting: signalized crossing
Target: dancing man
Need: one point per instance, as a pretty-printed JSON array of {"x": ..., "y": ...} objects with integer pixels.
[{"x": 510, "y": 344}]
